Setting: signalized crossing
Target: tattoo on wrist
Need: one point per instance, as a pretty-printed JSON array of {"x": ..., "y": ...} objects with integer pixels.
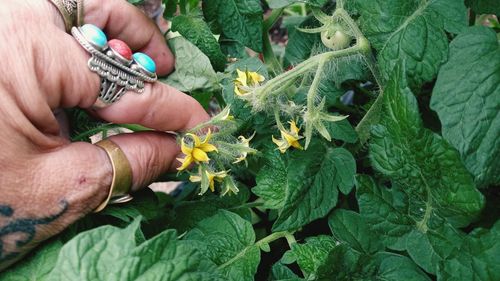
[{"x": 25, "y": 228}]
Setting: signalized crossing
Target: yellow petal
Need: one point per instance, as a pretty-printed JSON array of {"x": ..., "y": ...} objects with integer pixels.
[
  {"x": 293, "y": 127},
  {"x": 185, "y": 162},
  {"x": 239, "y": 91},
  {"x": 195, "y": 138},
  {"x": 211, "y": 184},
  {"x": 289, "y": 138},
  {"x": 195, "y": 178},
  {"x": 297, "y": 145},
  {"x": 185, "y": 148},
  {"x": 208, "y": 147},
  {"x": 200, "y": 155},
  {"x": 207, "y": 137},
  {"x": 256, "y": 77},
  {"x": 282, "y": 145},
  {"x": 242, "y": 77}
]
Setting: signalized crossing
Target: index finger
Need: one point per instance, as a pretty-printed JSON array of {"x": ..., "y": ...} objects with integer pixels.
[{"x": 121, "y": 20}]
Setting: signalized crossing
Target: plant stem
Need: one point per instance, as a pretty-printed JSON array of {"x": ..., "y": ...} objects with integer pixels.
[
  {"x": 86, "y": 134},
  {"x": 304, "y": 67},
  {"x": 248, "y": 205},
  {"x": 266, "y": 240},
  {"x": 267, "y": 50},
  {"x": 272, "y": 237},
  {"x": 290, "y": 239}
]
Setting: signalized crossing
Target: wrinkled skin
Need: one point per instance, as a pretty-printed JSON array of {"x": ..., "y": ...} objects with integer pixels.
[{"x": 46, "y": 182}]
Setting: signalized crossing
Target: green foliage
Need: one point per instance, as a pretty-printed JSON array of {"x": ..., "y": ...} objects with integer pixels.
[
  {"x": 228, "y": 241},
  {"x": 313, "y": 179},
  {"x": 468, "y": 105},
  {"x": 420, "y": 144},
  {"x": 193, "y": 70},
  {"x": 198, "y": 32},
  {"x": 484, "y": 6},
  {"x": 239, "y": 20},
  {"x": 413, "y": 31},
  {"x": 424, "y": 165}
]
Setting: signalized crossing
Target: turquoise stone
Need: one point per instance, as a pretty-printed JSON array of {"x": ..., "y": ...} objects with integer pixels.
[
  {"x": 94, "y": 35},
  {"x": 145, "y": 61}
]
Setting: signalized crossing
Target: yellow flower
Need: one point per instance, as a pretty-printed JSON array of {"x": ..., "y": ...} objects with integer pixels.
[
  {"x": 197, "y": 152},
  {"x": 212, "y": 177},
  {"x": 246, "y": 80},
  {"x": 289, "y": 138},
  {"x": 246, "y": 143}
]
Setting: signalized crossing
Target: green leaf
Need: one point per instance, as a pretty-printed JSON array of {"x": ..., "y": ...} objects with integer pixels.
[
  {"x": 426, "y": 167},
  {"x": 272, "y": 181},
  {"x": 342, "y": 130},
  {"x": 322, "y": 257},
  {"x": 391, "y": 214},
  {"x": 276, "y": 4},
  {"x": 314, "y": 177},
  {"x": 477, "y": 259},
  {"x": 228, "y": 241},
  {"x": 468, "y": 105},
  {"x": 349, "y": 227},
  {"x": 197, "y": 32},
  {"x": 312, "y": 254},
  {"x": 484, "y": 6},
  {"x": 110, "y": 253},
  {"x": 438, "y": 193},
  {"x": 411, "y": 30},
  {"x": 396, "y": 267},
  {"x": 193, "y": 70},
  {"x": 189, "y": 213},
  {"x": 37, "y": 265},
  {"x": 239, "y": 20},
  {"x": 145, "y": 204},
  {"x": 279, "y": 272},
  {"x": 301, "y": 45}
]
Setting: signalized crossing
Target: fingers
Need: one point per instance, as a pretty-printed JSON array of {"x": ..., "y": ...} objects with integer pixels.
[
  {"x": 123, "y": 21},
  {"x": 160, "y": 107},
  {"x": 150, "y": 154},
  {"x": 85, "y": 183}
]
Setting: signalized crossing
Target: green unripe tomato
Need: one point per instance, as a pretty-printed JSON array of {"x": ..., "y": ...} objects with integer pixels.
[{"x": 335, "y": 40}]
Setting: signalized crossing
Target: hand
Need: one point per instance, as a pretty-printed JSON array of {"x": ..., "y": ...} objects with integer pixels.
[{"x": 47, "y": 182}]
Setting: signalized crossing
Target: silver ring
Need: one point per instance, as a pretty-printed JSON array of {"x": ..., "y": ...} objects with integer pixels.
[{"x": 118, "y": 74}]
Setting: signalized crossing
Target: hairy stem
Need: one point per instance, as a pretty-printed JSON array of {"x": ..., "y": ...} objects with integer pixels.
[{"x": 267, "y": 50}]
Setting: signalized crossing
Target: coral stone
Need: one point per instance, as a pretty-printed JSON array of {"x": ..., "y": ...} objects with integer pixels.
[
  {"x": 120, "y": 48},
  {"x": 94, "y": 35},
  {"x": 145, "y": 62}
]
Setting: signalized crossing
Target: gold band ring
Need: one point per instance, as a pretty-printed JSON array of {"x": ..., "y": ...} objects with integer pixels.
[{"x": 122, "y": 175}]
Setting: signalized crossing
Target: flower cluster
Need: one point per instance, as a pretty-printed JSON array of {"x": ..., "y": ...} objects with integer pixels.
[
  {"x": 213, "y": 151},
  {"x": 289, "y": 138},
  {"x": 249, "y": 86},
  {"x": 246, "y": 81}
]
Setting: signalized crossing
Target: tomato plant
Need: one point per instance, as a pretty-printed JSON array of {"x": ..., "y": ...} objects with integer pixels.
[{"x": 351, "y": 140}]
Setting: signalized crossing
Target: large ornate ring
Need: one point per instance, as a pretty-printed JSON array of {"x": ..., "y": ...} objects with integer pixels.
[
  {"x": 71, "y": 12},
  {"x": 113, "y": 61}
]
